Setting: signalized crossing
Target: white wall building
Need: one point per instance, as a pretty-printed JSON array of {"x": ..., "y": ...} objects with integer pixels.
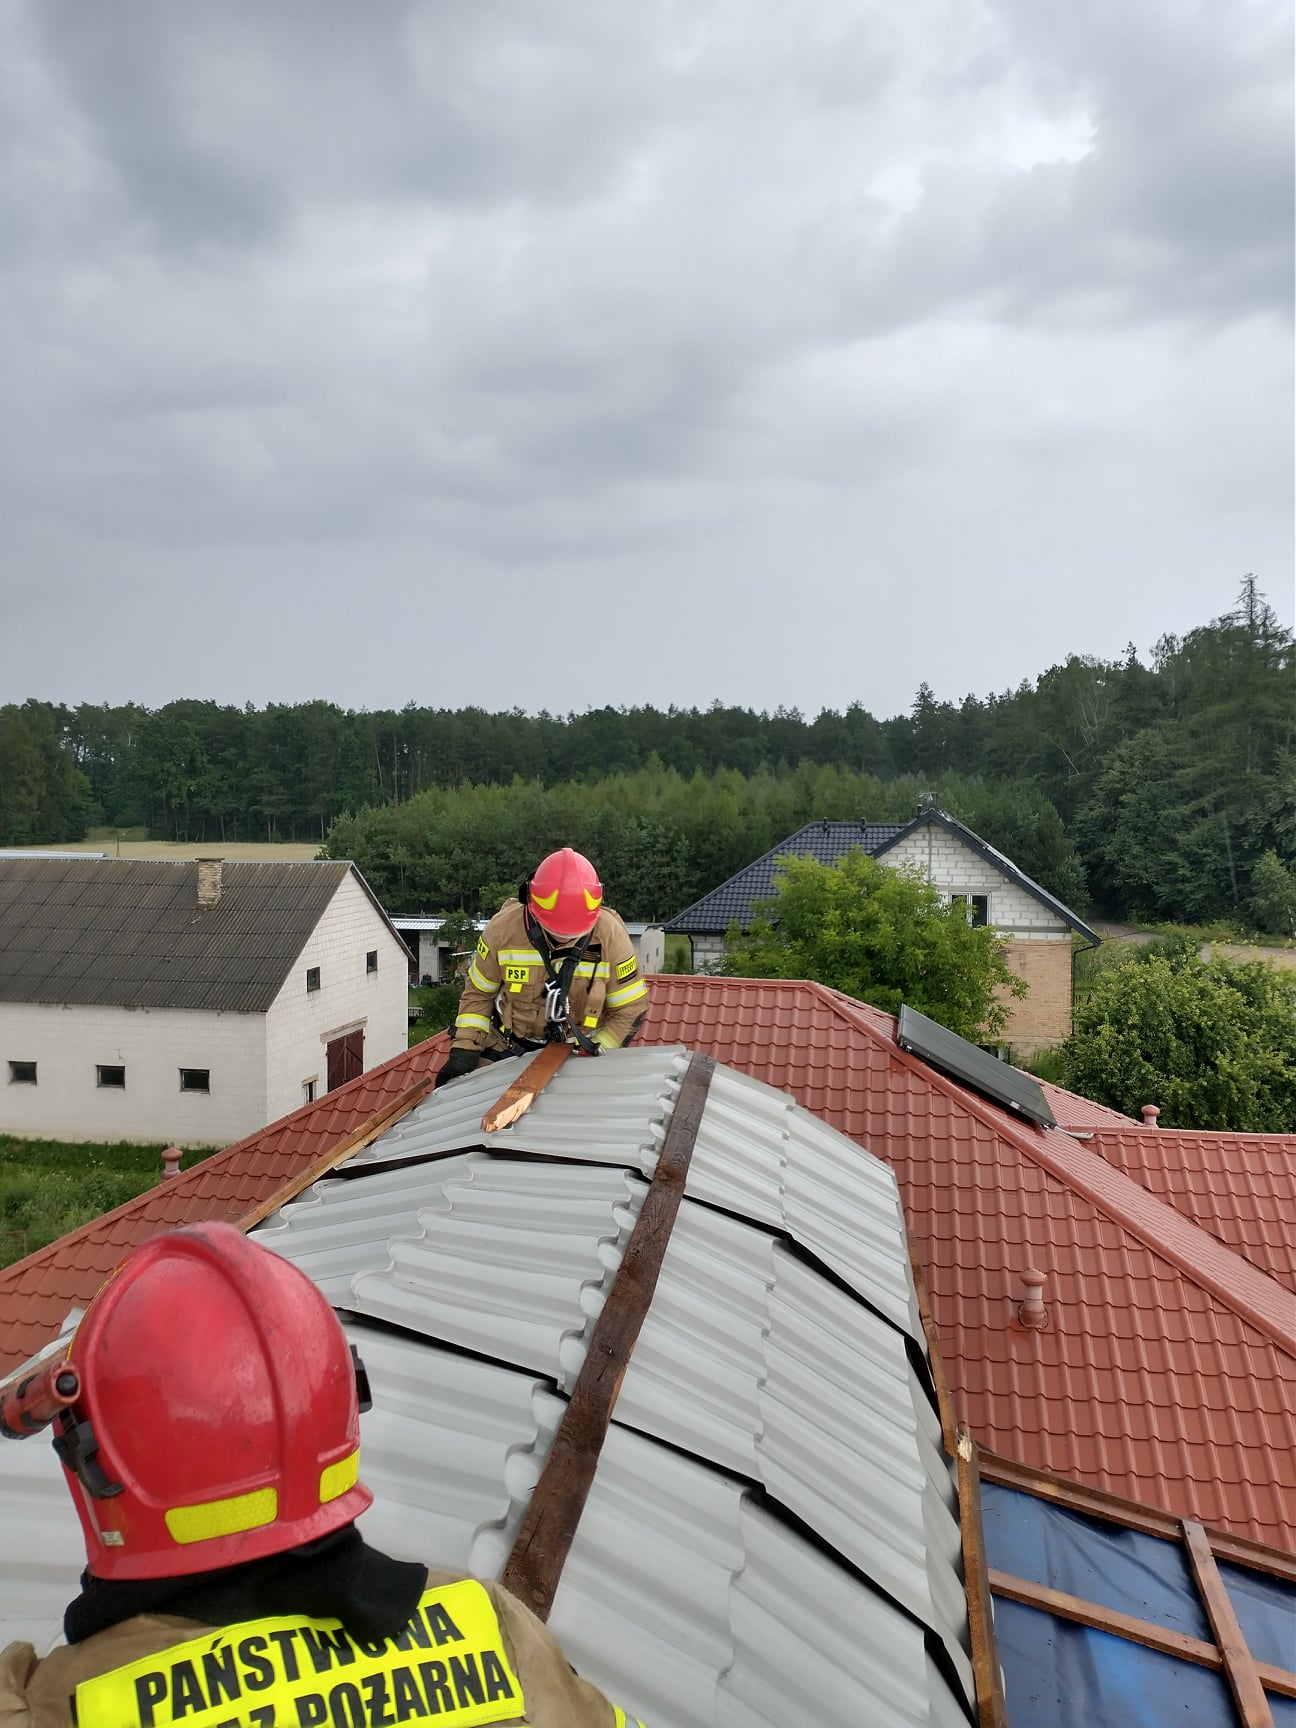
[
  {"x": 1036, "y": 927},
  {"x": 187, "y": 1003}
]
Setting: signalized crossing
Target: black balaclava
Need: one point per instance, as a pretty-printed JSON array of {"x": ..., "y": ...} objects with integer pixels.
[{"x": 339, "y": 1577}]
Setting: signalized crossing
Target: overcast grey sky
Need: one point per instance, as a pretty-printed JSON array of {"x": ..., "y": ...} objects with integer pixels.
[{"x": 561, "y": 354}]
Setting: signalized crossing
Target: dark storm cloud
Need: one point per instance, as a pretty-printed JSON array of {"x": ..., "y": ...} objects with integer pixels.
[{"x": 900, "y": 299}]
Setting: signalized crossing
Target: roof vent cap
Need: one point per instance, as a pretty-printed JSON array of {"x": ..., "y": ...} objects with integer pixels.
[
  {"x": 1031, "y": 1311},
  {"x": 1150, "y": 1114}
]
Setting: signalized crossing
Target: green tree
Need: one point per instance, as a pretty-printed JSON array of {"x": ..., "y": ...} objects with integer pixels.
[
  {"x": 883, "y": 936},
  {"x": 1213, "y": 1045},
  {"x": 1273, "y": 895}
]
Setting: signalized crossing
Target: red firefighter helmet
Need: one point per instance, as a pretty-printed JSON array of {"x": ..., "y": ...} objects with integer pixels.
[
  {"x": 218, "y": 1417},
  {"x": 565, "y": 895}
]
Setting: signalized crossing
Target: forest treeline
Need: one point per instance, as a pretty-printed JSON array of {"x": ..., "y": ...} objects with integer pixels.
[{"x": 1160, "y": 790}]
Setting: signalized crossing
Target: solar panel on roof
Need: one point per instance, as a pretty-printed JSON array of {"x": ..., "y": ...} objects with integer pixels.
[{"x": 974, "y": 1067}]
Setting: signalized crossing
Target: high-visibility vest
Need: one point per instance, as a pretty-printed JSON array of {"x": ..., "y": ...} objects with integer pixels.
[{"x": 449, "y": 1666}]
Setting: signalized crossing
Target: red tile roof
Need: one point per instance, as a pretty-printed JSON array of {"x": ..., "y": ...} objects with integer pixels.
[
  {"x": 1239, "y": 1187},
  {"x": 1166, "y": 1372}
]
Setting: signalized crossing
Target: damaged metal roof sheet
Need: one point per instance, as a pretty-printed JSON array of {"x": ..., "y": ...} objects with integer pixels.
[{"x": 772, "y": 1531}]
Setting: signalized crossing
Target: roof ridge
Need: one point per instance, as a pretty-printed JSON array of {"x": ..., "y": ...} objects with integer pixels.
[
  {"x": 1203, "y": 1258},
  {"x": 1240, "y": 1284},
  {"x": 1143, "y": 1130}
]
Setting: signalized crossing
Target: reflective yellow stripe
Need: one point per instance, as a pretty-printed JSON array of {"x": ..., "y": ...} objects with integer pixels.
[
  {"x": 621, "y": 1720},
  {"x": 479, "y": 981},
  {"x": 339, "y": 1477},
  {"x": 450, "y": 1663},
  {"x": 606, "y": 1041},
  {"x": 478, "y": 1020},
  {"x": 630, "y": 993},
  {"x": 223, "y": 1517},
  {"x": 519, "y": 956},
  {"x": 592, "y": 969}
]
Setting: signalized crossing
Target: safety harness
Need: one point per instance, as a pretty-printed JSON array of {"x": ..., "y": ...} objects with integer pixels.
[{"x": 559, "y": 1024}]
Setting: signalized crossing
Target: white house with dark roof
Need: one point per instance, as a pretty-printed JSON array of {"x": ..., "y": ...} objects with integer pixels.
[
  {"x": 189, "y": 1003},
  {"x": 1036, "y": 925}
]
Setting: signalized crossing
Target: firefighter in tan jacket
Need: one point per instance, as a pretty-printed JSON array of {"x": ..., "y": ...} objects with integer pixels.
[
  {"x": 207, "y": 1420},
  {"x": 553, "y": 965}
]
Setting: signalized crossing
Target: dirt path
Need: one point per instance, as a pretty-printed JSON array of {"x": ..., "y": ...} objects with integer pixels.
[{"x": 1238, "y": 953}]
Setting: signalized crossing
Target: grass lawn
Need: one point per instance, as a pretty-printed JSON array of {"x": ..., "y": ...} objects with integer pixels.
[{"x": 48, "y": 1187}]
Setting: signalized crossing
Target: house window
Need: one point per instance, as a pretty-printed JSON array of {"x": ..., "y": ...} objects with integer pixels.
[
  {"x": 371, "y": 960},
  {"x": 312, "y": 979},
  {"x": 308, "y": 1089},
  {"x": 22, "y": 1073},
  {"x": 195, "y": 1079},
  {"x": 978, "y": 907},
  {"x": 107, "y": 1075}
]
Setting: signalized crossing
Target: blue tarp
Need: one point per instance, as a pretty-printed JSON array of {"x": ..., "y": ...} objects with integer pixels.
[
  {"x": 1061, "y": 1675},
  {"x": 1146, "y": 1576},
  {"x": 1266, "y": 1611},
  {"x": 1058, "y": 1674}
]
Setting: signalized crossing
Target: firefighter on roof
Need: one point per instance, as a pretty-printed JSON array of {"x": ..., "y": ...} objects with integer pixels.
[
  {"x": 209, "y": 1432},
  {"x": 554, "y": 964}
]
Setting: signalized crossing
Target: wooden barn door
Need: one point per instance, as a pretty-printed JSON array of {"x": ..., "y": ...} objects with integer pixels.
[{"x": 345, "y": 1059}]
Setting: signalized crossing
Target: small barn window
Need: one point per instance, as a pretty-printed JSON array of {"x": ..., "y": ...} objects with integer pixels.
[
  {"x": 22, "y": 1073},
  {"x": 312, "y": 979},
  {"x": 371, "y": 960},
  {"x": 195, "y": 1079},
  {"x": 308, "y": 1089},
  {"x": 109, "y": 1075}
]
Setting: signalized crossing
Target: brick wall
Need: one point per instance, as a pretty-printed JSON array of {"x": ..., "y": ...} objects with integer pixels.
[
  {"x": 152, "y": 1044},
  {"x": 1044, "y": 1016}
]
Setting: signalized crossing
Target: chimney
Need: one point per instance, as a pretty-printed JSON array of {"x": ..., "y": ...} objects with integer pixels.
[
  {"x": 1031, "y": 1311},
  {"x": 209, "y": 881},
  {"x": 1150, "y": 1114}
]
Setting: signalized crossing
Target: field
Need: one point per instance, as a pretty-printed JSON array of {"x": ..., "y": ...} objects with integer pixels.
[
  {"x": 130, "y": 843},
  {"x": 48, "y": 1187}
]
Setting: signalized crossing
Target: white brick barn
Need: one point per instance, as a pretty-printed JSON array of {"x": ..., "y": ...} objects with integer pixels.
[
  {"x": 1037, "y": 927},
  {"x": 187, "y": 1003}
]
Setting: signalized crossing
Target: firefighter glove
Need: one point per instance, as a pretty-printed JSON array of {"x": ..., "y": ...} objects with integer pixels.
[{"x": 459, "y": 1061}]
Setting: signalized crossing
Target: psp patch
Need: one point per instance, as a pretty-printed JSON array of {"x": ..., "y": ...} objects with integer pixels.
[
  {"x": 483, "y": 948},
  {"x": 627, "y": 967}
]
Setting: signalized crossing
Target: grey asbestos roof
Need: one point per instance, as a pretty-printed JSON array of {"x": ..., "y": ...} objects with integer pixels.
[
  {"x": 828, "y": 843},
  {"x": 128, "y": 932},
  {"x": 772, "y": 1535},
  {"x": 732, "y": 901}
]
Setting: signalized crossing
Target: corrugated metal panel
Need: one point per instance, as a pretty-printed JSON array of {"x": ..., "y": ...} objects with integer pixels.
[
  {"x": 43, "y": 1555},
  {"x": 756, "y": 1153},
  {"x": 612, "y": 1111},
  {"x": 686, "y": 1599},
  {"x": 697, "y": 1609},
  {"x": 748, "y": 1358},
  {"x": 336, "y": 1230},
  {"x": 514, "y": 1264}
]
